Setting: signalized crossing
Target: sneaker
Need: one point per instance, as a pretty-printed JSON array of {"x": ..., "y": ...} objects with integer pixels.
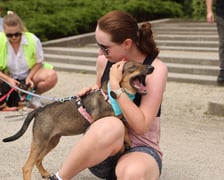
[
  {"x": 220, "y": 79},
  {"x": 53, "y": 177}
]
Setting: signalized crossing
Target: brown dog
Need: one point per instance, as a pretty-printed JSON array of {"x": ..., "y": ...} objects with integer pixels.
[{"x": 64, "y": 119}]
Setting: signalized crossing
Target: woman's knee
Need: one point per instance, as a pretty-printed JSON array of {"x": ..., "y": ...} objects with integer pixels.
[
  {"x": 45, "y": 79},
  {"x": 132, "y": 168},
  {"x": 51, "y": 77},
  {"x": 131, "y": 172}
]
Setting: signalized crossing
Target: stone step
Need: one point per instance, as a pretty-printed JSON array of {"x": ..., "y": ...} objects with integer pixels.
[
  {"x": 177, "y": 62},
  {"x": 88, "y": 56},
  {"x": 192, "y": 78},
  {"x": 85, "y": 69},
  {"x": 181, "y": 23},
  {"x": 85, "y": 52},
  {"x": 185, "y": 25},
  {"x": 187, "y": 43},
  {"x": 184, "y": 32},
  {"x": 183, "y": 37},
  {"x": 68, "y": 59},
  {"x": 193, "y": 69},
  {"x": 185, "y": 29},
  {"x": 189, "y": 48},
  {"x": 172, "y": 76},
  {"x": 183, "y": 73},
  {"x": 188, "y": 57},
  {"x": 177, "y": 48}
]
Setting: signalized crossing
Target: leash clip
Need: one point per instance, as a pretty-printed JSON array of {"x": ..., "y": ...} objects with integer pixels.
[{"x": 70, "y": 98}]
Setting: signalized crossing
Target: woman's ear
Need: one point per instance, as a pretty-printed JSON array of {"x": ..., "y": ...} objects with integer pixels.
[{"x": 128, "y": 43}]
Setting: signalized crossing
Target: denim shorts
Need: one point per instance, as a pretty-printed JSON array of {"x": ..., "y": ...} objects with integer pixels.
[{"x": 106, "y": 169}]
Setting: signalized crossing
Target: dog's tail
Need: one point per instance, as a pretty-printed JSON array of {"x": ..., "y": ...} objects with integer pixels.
[{"x": 24, "y": 127}]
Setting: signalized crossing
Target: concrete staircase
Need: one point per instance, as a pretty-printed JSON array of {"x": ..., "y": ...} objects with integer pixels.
[{"x": 189, "y": 48}]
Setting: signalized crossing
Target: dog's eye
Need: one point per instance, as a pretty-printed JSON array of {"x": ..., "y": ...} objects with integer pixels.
[{"x": 131, "y": 69}]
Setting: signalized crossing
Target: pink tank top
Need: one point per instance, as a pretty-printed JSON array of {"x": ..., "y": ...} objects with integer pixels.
[{"x": 150, "y": 138}]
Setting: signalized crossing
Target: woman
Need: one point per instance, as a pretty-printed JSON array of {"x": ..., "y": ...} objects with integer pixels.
[
  {"x": 21, "y": 59},
  {"x": 120, "y": 38},
  {"x": 1, "y": 9}
]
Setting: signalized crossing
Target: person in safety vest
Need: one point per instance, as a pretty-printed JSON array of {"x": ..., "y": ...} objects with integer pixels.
[
  {"x": 21, "y": 61},
  {"x": 1, "y": 9}
]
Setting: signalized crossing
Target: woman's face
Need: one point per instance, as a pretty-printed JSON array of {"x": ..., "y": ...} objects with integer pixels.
[
  {"x": 13, "y": 33},
  {"x": 113, "y": 51}
]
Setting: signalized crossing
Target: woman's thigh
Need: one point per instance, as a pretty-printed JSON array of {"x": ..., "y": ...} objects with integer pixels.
[{"x": 44, "y": 74}]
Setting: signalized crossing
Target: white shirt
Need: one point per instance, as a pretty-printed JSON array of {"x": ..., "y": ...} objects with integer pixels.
[{"x": 17, "y": 65}]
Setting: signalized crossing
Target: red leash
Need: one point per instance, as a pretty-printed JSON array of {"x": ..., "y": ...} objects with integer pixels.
[{"x": 7, "y": 94}]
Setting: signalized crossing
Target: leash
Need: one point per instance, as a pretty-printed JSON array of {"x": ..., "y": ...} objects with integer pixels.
[
  {"x": 77, "y": 99},
  {"x": 5, "y": 96},
  {"x": 34, "y": 94}
]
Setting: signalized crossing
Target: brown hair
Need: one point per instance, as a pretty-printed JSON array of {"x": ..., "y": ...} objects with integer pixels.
[
  {"x": 121, "y": 25},
  {"x": 12, "y": 19}
]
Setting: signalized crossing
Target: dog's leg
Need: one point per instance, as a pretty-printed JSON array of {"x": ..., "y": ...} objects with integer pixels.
[
  {"x": 51, "y": 145},
  {"x": 39, "y": 149},
  {"x": 27, "y": 168}
]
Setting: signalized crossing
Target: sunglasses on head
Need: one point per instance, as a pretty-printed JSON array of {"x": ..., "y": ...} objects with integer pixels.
[
  {"x": 10, "y": 35},
  {"x": 105, "y": 49}
]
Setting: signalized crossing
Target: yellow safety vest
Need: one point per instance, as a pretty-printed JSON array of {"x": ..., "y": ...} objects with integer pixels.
[{"x": 29, "y": 50}]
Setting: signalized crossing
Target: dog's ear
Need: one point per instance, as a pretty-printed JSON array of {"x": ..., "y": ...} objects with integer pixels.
[{"x": 129, "y": 67}]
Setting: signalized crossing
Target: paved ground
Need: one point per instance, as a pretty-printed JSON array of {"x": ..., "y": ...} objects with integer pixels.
[{"x": 192, "y": 140}]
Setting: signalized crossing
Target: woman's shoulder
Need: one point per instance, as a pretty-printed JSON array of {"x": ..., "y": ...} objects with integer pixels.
[
  {"x": 160, "y": 69},
  {"x": 31, "y": 35},
  {"x": 158, "y": 63},
  {"x": 101, "y": 62},
  {"x": 101, "y": 59}
]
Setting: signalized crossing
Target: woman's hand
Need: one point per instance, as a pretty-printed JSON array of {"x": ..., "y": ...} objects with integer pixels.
[
  {"x": 116, "y": 75},
  {"x": 84, "y": 91},
  {"x": 9, "y": 80},
  {"x": 29, "y": 82},
  {"x": 87, "y": 89},
  {"x": 13, "y": 82}
]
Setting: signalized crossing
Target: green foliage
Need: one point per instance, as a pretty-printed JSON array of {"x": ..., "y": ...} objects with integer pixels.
[
  {"x": 60, "y": 18},
  {"x": 187, "y": 8},
  {"x": 153, "y": 9},
  {"x": 199, "y": 9}
]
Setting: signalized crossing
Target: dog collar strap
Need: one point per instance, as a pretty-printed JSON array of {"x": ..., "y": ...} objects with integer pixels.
[
  {"x": 83, "y": 111},
  {"x": 106, "y": 97}
]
